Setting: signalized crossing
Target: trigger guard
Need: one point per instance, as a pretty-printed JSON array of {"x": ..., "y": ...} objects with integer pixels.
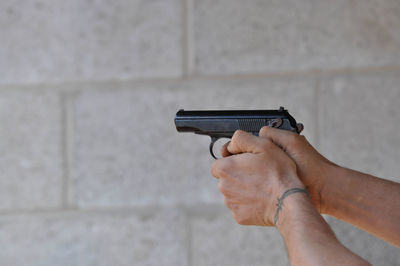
[{"x": 213, "y": 140}]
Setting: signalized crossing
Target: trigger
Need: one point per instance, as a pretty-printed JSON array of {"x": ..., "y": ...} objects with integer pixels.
[{"x": 213, "y": 140}]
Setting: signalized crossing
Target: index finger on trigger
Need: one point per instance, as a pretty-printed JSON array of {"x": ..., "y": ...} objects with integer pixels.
[{"x": 224, "y": 150}]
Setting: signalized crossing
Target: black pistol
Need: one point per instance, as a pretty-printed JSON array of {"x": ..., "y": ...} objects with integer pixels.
[{"x": 223, "y": 123}]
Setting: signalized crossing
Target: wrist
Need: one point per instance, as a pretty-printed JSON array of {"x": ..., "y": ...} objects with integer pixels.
[
  {"x": 295, "y": 208},
  {"x": 287, "y": 187},
  {"x": 286, "y": 194}
]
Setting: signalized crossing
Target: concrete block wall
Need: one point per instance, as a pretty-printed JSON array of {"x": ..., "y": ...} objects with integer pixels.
[{"x": 92, "y": 170}]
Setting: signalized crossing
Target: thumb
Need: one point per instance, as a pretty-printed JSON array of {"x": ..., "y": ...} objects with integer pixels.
[
  {"x": 244, "y": 142},
  {"x": 282, "y": 138}
]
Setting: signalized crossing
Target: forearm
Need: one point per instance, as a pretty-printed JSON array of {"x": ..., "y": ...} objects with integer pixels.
[
  {"x": 308, "y": 238},
  {"x": 365, "y": 201}
]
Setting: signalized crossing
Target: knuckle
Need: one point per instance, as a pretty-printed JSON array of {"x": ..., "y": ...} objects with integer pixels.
[
  {"x": 225, "y": 188},
  {"x": 225, "y": 168},
  {"x": 222, "y": 187},
  {"x": 263, "y": 131},
  {"x": 240, "y": 219},
  {"x": 214, "y": 169},
  {"x": 228, "y": 203},
  {"x": 236, "y": 217},
  {"x": 237, "y": 135},
  {"x": 243, "y": 222},
  {"x": 220, "y": 168}
]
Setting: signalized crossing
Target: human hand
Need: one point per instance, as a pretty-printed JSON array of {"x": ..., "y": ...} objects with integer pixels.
[
  {"x": 254, "y": 177},
  {"x": 312, "y": 168}
]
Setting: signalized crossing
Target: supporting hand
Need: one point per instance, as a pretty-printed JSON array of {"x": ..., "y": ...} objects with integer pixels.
[
  {"x": 312, "y": 167},
  {"x": 254, "y": 178}
]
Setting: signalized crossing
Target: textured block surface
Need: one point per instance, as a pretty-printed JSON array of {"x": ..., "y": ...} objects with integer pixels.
[
  {"x": 358, "y": 126},
  {"x": 261, "y": 36},
  {"x": 92, "y": 169},
  {"x": 50, "y": 40},
  {"x": 374, "y": 250},
  {"x": 128, "y": 152},
  {"x": 219, "y": 240},
  {"x": 31, "y": 157},
  {"x": 359, "y": 121},
  {"x": 100, "y": 239}
]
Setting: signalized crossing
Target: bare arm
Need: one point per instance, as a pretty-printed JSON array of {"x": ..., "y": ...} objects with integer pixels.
[
  {"x": 254, "y": 178},
  {"x": 308, "y": 238},
  {"x": 363, "y": 200}
]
